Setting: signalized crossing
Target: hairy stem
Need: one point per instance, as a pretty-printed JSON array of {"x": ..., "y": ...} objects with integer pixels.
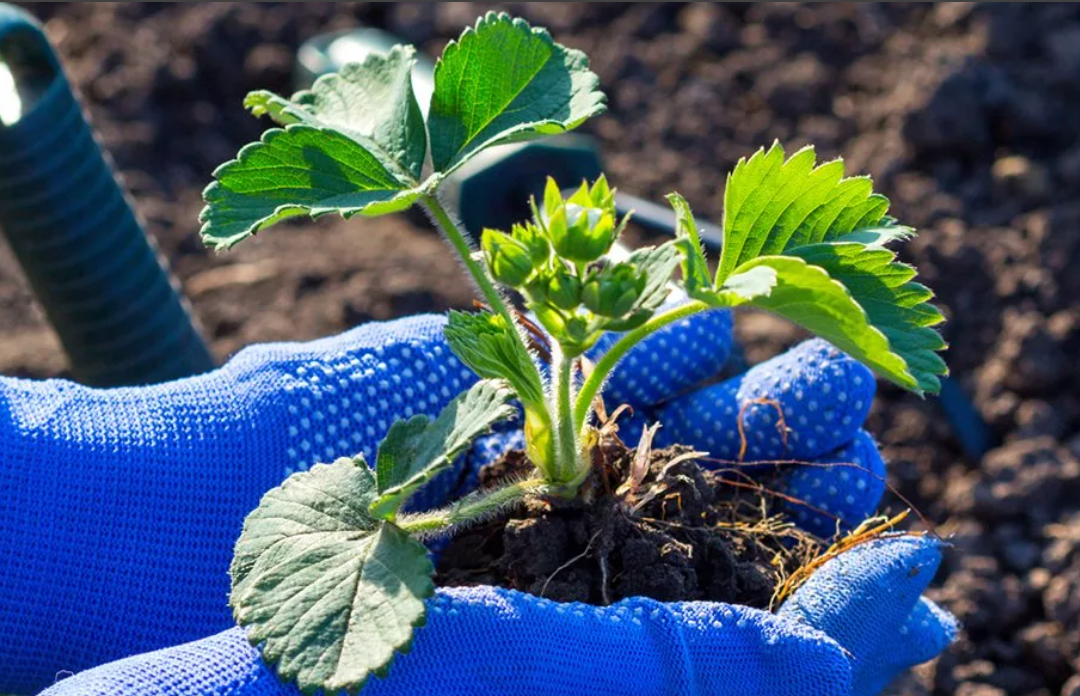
[
  {"x": 491, "y": 294},
  {"x": 474, "y": 507},
  {"x": 568, "y": 466},
  {"x": 606, "y": 364},
  {"x": 461, "y": 246}
]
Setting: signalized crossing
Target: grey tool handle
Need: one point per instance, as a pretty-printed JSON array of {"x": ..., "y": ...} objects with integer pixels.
[{"x": 98, "y": 277}]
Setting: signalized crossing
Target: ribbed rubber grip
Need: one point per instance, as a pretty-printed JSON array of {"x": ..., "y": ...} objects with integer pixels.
[{"x": 101, "y": 281}]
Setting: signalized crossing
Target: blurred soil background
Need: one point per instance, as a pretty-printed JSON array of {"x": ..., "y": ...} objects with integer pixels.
[{"x": 965, "y": 113}]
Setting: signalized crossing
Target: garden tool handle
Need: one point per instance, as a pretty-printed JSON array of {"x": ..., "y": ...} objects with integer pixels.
[
  {"x": 99, "y": 278},
  {"x": 658, "y": 218}
]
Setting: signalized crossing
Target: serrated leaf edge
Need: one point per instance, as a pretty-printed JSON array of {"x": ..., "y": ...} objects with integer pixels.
[{"x": 507, "y": 136}]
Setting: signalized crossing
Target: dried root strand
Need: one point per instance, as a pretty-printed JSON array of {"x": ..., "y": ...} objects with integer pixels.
[
  {"x": 781, "y": 423},
  {"x": 870, "y": 530}
]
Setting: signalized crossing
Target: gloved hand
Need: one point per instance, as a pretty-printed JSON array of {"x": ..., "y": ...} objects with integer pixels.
[
  {"x": 857, "y": 622},
  {"x": 122, "y": 506}
]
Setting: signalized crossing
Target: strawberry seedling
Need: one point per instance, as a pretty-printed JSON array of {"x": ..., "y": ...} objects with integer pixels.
[{"x": 330, "y": 575}]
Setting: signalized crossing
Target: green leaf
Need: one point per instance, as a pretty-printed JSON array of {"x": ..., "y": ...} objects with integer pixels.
[
  {"x": 895, "y": 304},
  {"x": 485, "y": 343},
  {"x": 290, "y": 172},
  {"x": 371, "y": 102},
  {"x": 354, "y": 144},
  {"x": 658, "y": 264},
  {"x": 777, "y": 208},
  {"x": 772, "y": 205},
  {"x": 504, "y": 81},
  {"x": 695, "y": 271},
  {"x": 418, "y": 449},
  {"x": 807, "y": 295},
  {"x": 328, "y": 592}
]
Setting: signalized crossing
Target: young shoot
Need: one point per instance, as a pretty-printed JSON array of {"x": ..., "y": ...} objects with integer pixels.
[{"x": 329, "y": 575}]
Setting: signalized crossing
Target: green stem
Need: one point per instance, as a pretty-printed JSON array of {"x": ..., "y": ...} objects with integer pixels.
[
  {"x": 471, "y": 508},
  {"x": 566, "y": 438},
  {"x": 611, "y": 358},
  {"x": 461, "y": 246}
]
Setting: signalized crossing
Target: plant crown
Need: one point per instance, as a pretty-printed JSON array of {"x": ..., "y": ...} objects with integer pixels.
[{"x": 329, "y": 576}]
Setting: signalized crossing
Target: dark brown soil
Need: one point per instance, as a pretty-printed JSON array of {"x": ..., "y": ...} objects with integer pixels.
[
  {"x": 680, "y": 534},
  {"x": 965, "y": 113}
]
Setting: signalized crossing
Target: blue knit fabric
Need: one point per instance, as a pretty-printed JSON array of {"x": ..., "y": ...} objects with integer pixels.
[
  {"x": 850, "y": 628},
  {"x": 121, "y": 507}
]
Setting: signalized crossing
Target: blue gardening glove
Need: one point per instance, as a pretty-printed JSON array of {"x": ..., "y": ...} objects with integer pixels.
[
  {"x": 851, "y": 628},
  {"x": 122, "y": 506}
]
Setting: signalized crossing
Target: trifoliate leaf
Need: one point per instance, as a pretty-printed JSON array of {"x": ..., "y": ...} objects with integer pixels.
[
  {"x": 354, "y": 144},
  {"x": 327, "y": 591},
  {"x": 772, "y": 205},
  {"x": 504, "y": 81},
  {"x": 485, "y": 343},
  {"x": 895, "y": 304},
  {"x": 790, "y": 209},
  {"x": 810, "y": 297},
  {"x": 418, "y": 449}
]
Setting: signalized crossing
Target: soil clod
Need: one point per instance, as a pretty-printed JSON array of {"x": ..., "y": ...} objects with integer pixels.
[{"x": 681, "y": 535}]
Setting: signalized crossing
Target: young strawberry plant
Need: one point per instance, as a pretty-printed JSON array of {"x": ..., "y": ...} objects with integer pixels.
[{"x": 330, "y": 575}]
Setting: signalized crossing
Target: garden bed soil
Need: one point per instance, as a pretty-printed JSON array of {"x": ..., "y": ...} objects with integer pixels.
[{"x": 963, "y": 112}]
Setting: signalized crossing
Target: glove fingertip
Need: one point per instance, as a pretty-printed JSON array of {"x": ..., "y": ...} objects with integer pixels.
[
  {"x": 798, "y": 405},
  {"x": 869, "y": 586},
  {"x": 669, "y": 361},
  {"x": 840, "y": 489},
  {"x": 931, "y": 628}
]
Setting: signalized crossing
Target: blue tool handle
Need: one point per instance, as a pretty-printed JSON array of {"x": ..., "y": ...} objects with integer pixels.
[{"x": 99, "y": 278}]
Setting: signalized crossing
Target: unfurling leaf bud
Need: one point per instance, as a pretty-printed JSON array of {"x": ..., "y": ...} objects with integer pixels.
[
  {"x": 613, "y": 291},
  {"x": 508, "y": 259},
  {"x": 581, "y": 230}
]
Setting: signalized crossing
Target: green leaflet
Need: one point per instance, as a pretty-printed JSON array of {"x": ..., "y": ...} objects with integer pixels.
[
  {"x": 695, "y": 272},
  {"x": 895, "y": 304},
  {"x": 327, "y": 591},
  {"x": 484, "y": 342},
  {"x": 504, "y": 81},
  {"x": 372, "y": 102},
  {"x": 354, "y": 144},
  {"x": 302, "y": 169},
  {"x": 772, "y": 205},
  {"x": 416, "y": 450},
  {"x": 808, "y": 296},
  {"x": 810, "y": 245}
]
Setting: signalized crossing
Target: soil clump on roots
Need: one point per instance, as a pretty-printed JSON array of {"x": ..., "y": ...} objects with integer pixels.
[{"x": 664, "y": 528}]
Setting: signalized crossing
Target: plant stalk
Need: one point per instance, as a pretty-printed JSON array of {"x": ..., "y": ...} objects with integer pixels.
[
  {"x": 568, "y": 465},
  {"x": 607, "y": 363},
  {"x": 483, "y": 281},
  {"x": 461, "y": 246},
  {"x": 468, "y": 509}
]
